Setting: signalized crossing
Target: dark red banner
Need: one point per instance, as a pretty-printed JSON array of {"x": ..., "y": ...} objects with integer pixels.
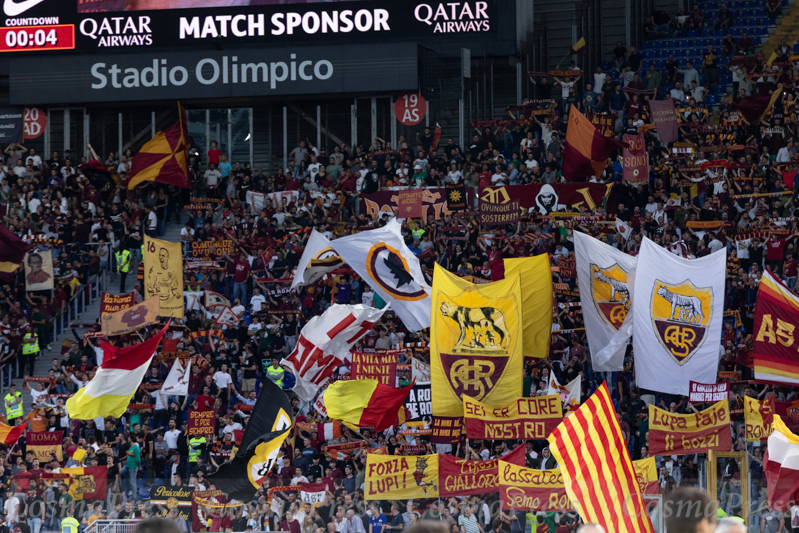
[
  {"x": 458, "y": 477},
  {"x": 381, "y": 365}
]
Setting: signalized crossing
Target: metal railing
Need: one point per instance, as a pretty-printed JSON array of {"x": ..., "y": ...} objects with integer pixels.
[
  {"x": 112, "y": 526},
  {"x": 83, "y": 298}
]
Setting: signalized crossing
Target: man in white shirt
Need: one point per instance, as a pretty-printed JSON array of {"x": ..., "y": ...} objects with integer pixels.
[
  {"x": 313, "y": 168},
  {"x": 257, "y": 300},
  {"x": 187, "y": 233},
  {"x": 299, "y": 478},
  {"x": 212, "y": 176},
  {"x": 231, "y": 426},
  {"x": 368, "y": 297},
  {"x": 171, "y": 436},
  {"x": 124, "y": 165},
  {"x": 599, "y": 80},
  {"x": 222, "y": 378},
  {"x": 33, "y": 159},
  {"x": 677, "y": 93},
  {"x": 12, "y": 507},
  {"x": 784, "y": 154}
]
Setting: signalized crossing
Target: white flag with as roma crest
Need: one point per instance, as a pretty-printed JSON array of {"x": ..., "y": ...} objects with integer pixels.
[
  {"x": 678, "y": 313},
  {"x": 382, "y": 259},
  {"x": 605, "y": 298}
]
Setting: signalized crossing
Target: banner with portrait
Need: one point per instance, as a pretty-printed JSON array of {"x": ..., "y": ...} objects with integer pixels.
[
  {"x": 39, "y": 271},
  {"x": 163, "y": 275},
  {"x": 676, "y": 434}
]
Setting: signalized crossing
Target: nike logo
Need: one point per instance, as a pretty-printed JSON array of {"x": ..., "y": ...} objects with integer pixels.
[{"x": 12, "y": 8}]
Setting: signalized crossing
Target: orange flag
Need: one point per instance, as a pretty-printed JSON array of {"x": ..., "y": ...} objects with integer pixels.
[
  {"x": 163, "y": 159},
  {"x": 586, "y": 151}
]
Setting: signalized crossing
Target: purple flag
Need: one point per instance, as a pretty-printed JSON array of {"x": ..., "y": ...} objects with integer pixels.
[{"x": 665, "y": 119}]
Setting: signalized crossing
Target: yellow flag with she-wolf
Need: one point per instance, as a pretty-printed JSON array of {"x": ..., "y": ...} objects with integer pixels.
[
  {"x": 475, "y": 342},
  {"x": 163, "y": 275}
]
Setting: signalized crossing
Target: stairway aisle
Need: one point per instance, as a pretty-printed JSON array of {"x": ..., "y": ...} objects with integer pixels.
[
  {"x": 90, "y": 314},
  {"x": 788, "y": 29}
]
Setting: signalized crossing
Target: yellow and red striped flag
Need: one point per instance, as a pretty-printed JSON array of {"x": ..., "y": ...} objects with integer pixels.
[
  {"x": 164, "y": 158},
  {"x": 597, "y": 470}
]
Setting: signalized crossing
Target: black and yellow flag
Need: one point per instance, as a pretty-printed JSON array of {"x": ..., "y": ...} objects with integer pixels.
[{"x": 270, "y": 423}]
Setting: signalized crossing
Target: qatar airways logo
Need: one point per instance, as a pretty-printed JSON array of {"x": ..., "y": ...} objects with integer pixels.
[{"x": 454, "y": 17}]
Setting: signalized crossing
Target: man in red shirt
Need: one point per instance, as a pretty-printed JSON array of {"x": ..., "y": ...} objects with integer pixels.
[
  {"x": 484, "y": 178},
  {"x": 240, "y": 276}
]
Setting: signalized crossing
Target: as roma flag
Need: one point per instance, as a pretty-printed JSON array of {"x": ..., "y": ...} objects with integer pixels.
[
  {"x": 163, "y": 159},
  {"x": 755, "y": 108},
  {"x": 587, "y": 150}
]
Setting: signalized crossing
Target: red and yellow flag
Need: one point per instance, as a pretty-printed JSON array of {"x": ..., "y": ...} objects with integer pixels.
[
  {"x": 366, "y": 403},
  {"x": 9, "y": 435},
  {"x": 597, "y": 470},
  {"x": 163, "y": 159},
  {"x": 587, "y": 150}
]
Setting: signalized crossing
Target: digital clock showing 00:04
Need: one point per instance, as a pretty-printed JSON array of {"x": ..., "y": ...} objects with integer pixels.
[{"x": 37, "y": 38}]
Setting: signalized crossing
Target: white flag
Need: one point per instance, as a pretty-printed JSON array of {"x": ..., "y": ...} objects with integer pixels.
[
  {"x": 324, "y": 343},
  {"x": 256, "y": 199},
  {"x": 227, "y": 317},
  {"x": 569, "y": 394},
  {"x": 177, "y": 382},
  {"x": 317, "y": 259},
  {"x": 625, "y": 229},
  {"x": 605, "y": 297},
  {"x": 678, "y": 314},
  {"x": 381, "y": 258},
  {"x": 214, "y": 298},
  {"x": 289, "y": 196}
]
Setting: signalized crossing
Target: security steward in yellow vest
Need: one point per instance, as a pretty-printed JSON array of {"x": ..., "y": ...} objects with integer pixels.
[
  {"x": 275, "y": 372},
  {"x": 123, "y": 257},
  {"x": 30, "y": 349},
  {"x": 13, "y": 401},
  {"x": 196, "y": 447},
  {"x": 69, "y": 525}
]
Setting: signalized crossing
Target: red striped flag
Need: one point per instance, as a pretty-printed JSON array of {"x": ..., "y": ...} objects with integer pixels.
[{"x": 597, "y": 470}]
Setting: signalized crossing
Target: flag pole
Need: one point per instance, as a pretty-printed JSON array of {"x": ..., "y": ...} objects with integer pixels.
[{"x": 562, "y": 58}]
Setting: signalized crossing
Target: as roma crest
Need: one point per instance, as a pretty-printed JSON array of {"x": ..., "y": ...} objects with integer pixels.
[
  {"x": 610, "y": 293},
  {"x": 387, "y": 268},
  {"x": 473, "y": 375},
  {"x": 681, "y": 316}
]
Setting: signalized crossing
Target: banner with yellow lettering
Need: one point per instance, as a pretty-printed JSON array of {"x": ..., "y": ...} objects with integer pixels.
[
  {"x": 401, "y": 477},
  {"x": 523, "y": 418},
  {"x": 675, "y": 434},
  {"x": 544, "y": 490},
  {"x": 460, "y": 477},
  {"x": 758, "y": 417},
  {"x": 163, "y": 275},
  {"x": 476, "y": 343},
  {"x": 532, "y": 490}
]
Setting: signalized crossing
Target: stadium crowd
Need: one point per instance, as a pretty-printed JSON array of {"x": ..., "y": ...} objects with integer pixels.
[{"x": 752, "y": 195}]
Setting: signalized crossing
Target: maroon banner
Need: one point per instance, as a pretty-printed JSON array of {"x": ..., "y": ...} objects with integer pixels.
[
  {"x": 543, "y": 198},
  {"x": 201, "y": 423},
  {"x": 459, "y": 477},
  {"x": 708, "y": 392},
  {"x": 446, "y": 430},
  {"x": 665, "y": 118},
  {"x": 676, "y": 434},
  {"x": 496, "y": 214},
  {"x": 200, "y": 513},
  {"x": 409, "y": 204},
  {"x": 605, "y": 123},
  {"x": 381, "y": 366},
  {"x": 635, "y": 162},
  {"x": 522, "y": 419},
  {"x": 532, "y": 490}
]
